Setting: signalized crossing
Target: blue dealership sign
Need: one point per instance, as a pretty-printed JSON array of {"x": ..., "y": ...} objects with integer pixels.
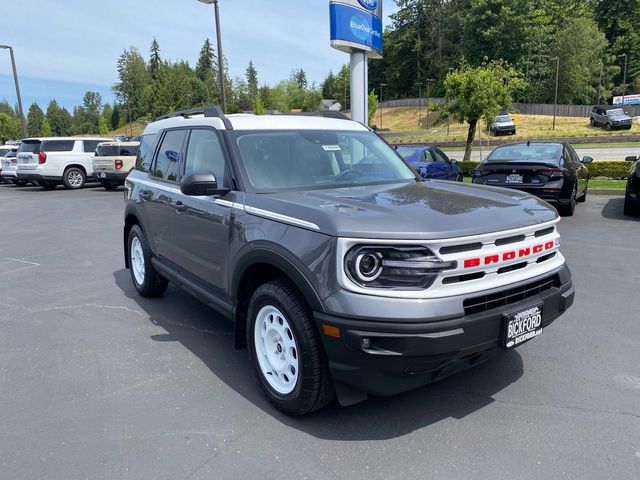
[{"x": 356, "y": 26}]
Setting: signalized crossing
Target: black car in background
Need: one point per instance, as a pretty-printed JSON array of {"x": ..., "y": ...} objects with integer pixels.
[
  {"x": 632, "y": 192},
  {"x": 550, "y": 170}
]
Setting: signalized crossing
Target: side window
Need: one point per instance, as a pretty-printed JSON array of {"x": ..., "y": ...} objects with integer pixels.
[
  {"x": 167, "y": 164},
  {"x": 90, "y": 145},
  {"x": 57, "y": 145},
  {"x": 427, "y": 156},
  {"x": 145, "y": 152},
  {"x": 204, "y": 153},
  {"x": 440, "y": 156},
  {"x": 571, "y": 157}
]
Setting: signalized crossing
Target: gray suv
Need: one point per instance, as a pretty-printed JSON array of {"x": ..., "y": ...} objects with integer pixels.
[
  {"x": 345, "y": 274},
  {"x": 610, "y": 117}
]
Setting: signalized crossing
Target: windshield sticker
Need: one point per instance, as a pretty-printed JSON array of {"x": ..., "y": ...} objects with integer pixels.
[{"x": 331, "y": 148}]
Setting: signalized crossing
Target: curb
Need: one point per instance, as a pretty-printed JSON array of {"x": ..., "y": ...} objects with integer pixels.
[{"x": 606, "y": 191}]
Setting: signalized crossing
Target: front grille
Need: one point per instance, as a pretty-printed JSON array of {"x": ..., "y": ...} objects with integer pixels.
[{"x": 485, "y": 303}]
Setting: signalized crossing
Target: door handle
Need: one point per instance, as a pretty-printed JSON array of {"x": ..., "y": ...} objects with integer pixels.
[
  {"x": 180, "y": 207},
  {"x": 145, "y": 194}
]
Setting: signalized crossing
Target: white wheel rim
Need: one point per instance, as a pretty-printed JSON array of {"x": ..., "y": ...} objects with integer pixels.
[
  {"x": 276, "y": 350},
  {"x": 75, "y": 178},
  {"x": 137, "y": 260}
]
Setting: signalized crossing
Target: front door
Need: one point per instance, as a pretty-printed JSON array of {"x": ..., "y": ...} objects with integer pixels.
[{"x": 200, "y": 225}]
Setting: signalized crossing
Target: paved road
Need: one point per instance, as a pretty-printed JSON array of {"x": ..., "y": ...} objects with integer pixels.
[
  {"x": 617, "y": 153},
  {"x": 96, "y": 382}
]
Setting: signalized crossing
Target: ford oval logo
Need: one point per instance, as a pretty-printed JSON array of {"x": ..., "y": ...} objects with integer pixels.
[{"x": 369, "y": 4}]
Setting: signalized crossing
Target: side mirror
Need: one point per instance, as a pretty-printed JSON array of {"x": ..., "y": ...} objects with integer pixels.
[
  {"x": 587, "y": 160},
  {"x": 200, "y": 182},
  {"x": 453, "y": 161},
  {"x": 631, "y": 159}
]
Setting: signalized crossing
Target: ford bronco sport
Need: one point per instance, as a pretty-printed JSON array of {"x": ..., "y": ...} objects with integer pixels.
[{"x": 345, "y": 273}]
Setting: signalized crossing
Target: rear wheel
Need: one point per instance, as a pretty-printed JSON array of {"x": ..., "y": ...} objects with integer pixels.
[
  {"x": 146, "y": 279},
  {"x": 592, "y": 122},
  {"x": 569, "y": 209},
  {"x": 459, "y": 178},
  {"x": 286, "y": 350},
  {"x": 109, "y": 186},
  {"x": 74, "y": 178},
  {"x": 22, "y": 183}
]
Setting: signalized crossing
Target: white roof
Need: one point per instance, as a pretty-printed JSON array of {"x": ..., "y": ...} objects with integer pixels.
[
  {"x": 40, "y": 139},
  {"x": 245, "y": 121}
]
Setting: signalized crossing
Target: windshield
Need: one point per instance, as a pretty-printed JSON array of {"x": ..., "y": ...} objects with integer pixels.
[
  {"x": 535, "y": 152},
  {"x": 503, "y": 118},
  {"x": 406, "y": 152},
  {"x": 615, "y": 112},
  {"x": 276, "y": 160}
]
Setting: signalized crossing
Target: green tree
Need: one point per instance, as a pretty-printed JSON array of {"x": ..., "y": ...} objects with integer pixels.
[
  {"x": 154, "y": 58},
  {"x": 45, "y": 130},
  {"x": 133, "y": 77},
  {"x": 329, "y": 86},
  {"x": 252, "y": 81},
  {"x": 207, "y": 71},
  {"x": 372, "y": 105},
  {"x": 9, "y": 127},
  {"x": 59, "y": 119},
  {"x": 479, "y": 92},
  {"x": 311, "y": 99},
  {"x": 90, "y": 112},
  {"x": 6, "y": 108},
  {"x": 258, "y": 106},
  {"x": 35, "y": 117},
  {"x": 103, "y": 126},
  {"x": 300, "y": 77}
]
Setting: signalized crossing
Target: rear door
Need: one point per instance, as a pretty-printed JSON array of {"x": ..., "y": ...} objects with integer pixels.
[
  {"x": 27, "y": 158},
  {"x": 449, "y": 172},
  {"x": 200, "y": 225},
  {"x": 577, "y": 168}
]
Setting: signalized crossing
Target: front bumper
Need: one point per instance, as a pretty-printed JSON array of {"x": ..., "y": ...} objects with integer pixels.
[{"x": 402, "y": 355}]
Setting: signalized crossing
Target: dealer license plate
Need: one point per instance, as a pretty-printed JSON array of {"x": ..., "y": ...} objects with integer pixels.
[
  {"x": 522, "y": 326},
  {"x": 514, "y": 178}
]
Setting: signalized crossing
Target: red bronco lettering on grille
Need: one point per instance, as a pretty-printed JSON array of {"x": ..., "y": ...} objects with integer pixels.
[{"x": 508, "y": 255}]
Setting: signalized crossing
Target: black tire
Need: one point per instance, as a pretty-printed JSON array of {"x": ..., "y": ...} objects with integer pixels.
[
  {"x": 153, "y": 284},
  {"x": 109, "y": 186},
  {"x": 630, "y": 209},
  {"x": 21, "y": 183},
  {"x": 607, "y": 127},
  {"x": 459, "y": 178},
  {"x": 583, "y": 198},
  {"x": 592, "y": 122},
  {"x": 569, "y": 209},
  {"x": 313, "y": 389},
  {"x": 47, "y": 185},
  {"x": 74, "y": 178}
]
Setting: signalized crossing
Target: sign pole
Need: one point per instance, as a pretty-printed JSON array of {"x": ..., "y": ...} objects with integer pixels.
[{"x": 358, "y": 71}]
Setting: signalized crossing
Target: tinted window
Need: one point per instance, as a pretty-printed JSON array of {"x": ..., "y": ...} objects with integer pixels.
[
  {"x": 550, "y": 152},
  {"x": 204, "y": 153},
  {"x": 30, "y": 146},
  {"x": 168, "y": 159},
  {"x": 116, "y": 151},
  {"x": 428, "y": 156},
  {"x": 57, "y": 145},
  {"x": 440, "y": 156},
  {"x": 90, "y": 145},
  {"x": 145, "y": 152},
  {"x": 503, "y": 118},
  {"x": 406, "y": 152}
]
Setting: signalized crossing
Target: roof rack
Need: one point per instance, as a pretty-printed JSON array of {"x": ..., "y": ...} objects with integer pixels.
[
  {"x": 211, "y": 111},
  {"x": 324, "y": 113}
]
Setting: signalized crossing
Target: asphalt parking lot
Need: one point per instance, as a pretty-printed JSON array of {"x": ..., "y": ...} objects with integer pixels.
[{"x": 96, "y": 382}]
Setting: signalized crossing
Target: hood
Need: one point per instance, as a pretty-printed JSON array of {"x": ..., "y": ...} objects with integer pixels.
[{"x": 421, "y": 210}]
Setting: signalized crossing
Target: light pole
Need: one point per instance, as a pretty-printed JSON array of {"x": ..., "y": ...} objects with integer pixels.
[
  {"x": 419, "y": 84},
  {"x": 15, "y": 79},
  {"x": 624, "y": 81},
  {"x": 429, "y": 82},
  {"x": 600, "y": 82},
  {"x": 216, "y": 13},
  {"x": 381, "y": 85},
  {"x": 451, "y": 69},
  {"x": 555, "y": 101}
]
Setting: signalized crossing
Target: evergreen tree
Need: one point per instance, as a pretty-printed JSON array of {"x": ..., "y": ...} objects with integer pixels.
[
  {"x": 6, "y": 108},
  {"x": 45, "y": 130},
  {"x": 329, "y": 86},
  {"x": 207, "y": 71},
  {"x": 300, "y": 77},
  {"x": 9, "y": 128},
  {"x": 252, "y": 81},
  {"x": 133, "y": 77},
  {"x": 58, "y": 118},
  {"x": 154, "y": 58},
  {"x": 35, "y": 117}
]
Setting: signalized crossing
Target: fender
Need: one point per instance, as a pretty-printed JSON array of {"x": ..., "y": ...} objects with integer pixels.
[{"x": 130, "y": 209}]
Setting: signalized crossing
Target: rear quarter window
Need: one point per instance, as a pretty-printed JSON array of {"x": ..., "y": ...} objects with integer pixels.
[
  {"x": 90, "y": 145},
  {"x": 29, "y": 147},
  {"x": 57, "y": 145},
  {"x": 145, "y": 152}
]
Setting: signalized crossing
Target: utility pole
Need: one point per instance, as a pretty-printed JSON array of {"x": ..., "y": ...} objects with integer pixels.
[
  {"x": 624, "y": 81},
  {"x": 555, "y": 101},
  {"x": 600, "y": 82},
  {"x": 381, "y": 85},
  {"x": 419, "y": 84},
  {"x": 429, "y": 82},
  {"x": 216, "y": 14},
  {"x": 451, "y": 69},
  {"x": 15, "y": 80}
]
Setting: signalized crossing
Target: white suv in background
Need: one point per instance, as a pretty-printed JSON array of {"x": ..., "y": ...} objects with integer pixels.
[{"x": 57, "y": 160}]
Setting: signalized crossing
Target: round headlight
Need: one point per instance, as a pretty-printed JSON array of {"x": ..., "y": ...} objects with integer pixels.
[{"x": 368, "y": 266}]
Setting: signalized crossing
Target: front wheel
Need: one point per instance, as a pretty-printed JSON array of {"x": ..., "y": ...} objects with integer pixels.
[
  {"x": 607, "y": 127},
  {"x": 286, "y": 351},
  {"x": 74, "y": 178},
  {"x": 146, "y": 279}
]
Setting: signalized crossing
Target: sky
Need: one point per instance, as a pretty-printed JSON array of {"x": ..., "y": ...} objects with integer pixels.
[{"x": 72, "y": 46}]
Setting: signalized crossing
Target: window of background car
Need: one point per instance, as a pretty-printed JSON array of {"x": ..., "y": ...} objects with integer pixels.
[
  {"x": 204, "y": 153},
  {"x": 30, "y": 146},
  {"x": 503, "y": 118},
  {"x": 406, "y": 152},
  {"x": 58, "y": 145},
  {"x": 533, "y": 152},
  {"x": 440, "y": 156},
  {"x": 116, "y": 150},
  {"x": 145, "y": 152},
  {"x": 318, "y": 159},
  {"x": 167, "y": 162},
  {"x": 90, "y": 145}
]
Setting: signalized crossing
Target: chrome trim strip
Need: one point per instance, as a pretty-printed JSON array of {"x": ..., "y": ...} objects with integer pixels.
[
  {"x": 280, "y": 218},
  {"x": 168, "y": 188}
]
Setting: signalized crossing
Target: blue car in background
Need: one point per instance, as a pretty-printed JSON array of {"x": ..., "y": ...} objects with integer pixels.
[{"x": 430, "y": 162}]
